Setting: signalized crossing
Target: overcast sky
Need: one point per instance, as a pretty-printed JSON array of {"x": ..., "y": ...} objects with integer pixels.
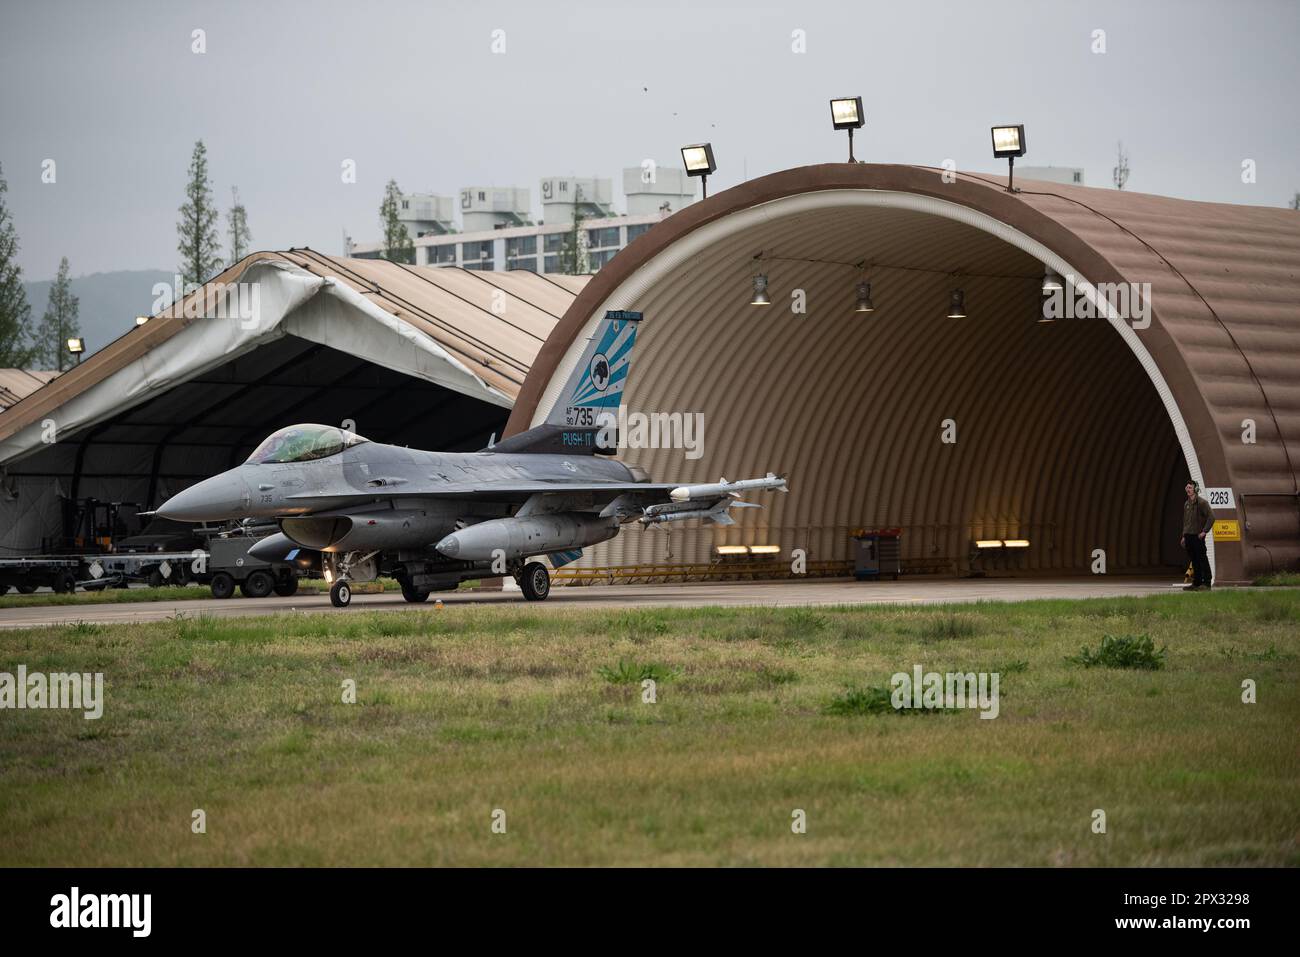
[{"x": 286, "y": 91}]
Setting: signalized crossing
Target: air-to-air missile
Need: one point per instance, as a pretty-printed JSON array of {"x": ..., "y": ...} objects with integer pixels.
[
  {"x": 686, "y": 493},
  {"x": 681, "y": 511}
]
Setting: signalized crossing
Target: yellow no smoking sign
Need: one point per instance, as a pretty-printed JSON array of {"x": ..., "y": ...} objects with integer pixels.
[{"x": 1227, "y": 530}]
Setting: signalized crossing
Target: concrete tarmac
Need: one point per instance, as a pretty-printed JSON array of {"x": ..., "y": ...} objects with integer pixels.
[{"x": 822, "y": 591}]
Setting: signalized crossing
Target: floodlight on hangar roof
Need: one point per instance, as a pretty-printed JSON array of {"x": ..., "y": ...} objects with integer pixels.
[
  {"x": 1009, "y": 142},
  {"x": 698, "y": 160},
  {"x": 846, "y": 114}
]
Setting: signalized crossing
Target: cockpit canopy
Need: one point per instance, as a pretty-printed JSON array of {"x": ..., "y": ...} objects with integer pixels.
[{"x": 303, "y": 443}]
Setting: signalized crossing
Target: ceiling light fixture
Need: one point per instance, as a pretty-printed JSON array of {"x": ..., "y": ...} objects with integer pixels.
[{"x": 864, "y": 298}]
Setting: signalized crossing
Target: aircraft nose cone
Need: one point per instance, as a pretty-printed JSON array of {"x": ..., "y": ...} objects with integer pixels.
[
  {"x": 449, "y": 546},
  {"x": 220, "y": 497}
]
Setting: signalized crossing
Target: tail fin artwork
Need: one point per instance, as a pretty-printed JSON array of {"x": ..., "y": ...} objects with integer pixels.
[
  {"x": 596, "y": 385},
  {"x": 583, "y": 420}
]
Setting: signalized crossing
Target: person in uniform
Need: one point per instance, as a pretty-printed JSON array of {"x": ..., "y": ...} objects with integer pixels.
[{"x": 1198, "y": 519}]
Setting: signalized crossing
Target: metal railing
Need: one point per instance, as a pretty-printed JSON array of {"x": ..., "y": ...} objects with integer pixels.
[
  {"x": 646, "y": 573},
  {"x": 696, "y": 572}
]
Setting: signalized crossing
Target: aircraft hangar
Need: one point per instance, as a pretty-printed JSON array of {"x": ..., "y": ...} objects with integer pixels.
[
  {"x": 420, "y": 356},
  {"x": 957, "y": 420},
  {"x": 1075, "y": 436}
]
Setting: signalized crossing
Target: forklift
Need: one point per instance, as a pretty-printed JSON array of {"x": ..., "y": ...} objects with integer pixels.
[{"x": 91, "y": 526}]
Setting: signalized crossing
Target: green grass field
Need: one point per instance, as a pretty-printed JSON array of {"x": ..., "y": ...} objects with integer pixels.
[{"x": 537, "y": 711}]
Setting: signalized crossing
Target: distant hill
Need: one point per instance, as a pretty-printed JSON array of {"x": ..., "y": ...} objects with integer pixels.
[{"x": 110, "y": 301}]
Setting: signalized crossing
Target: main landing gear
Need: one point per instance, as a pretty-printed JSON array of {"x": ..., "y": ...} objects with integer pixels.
[
  {"x": 413, "y": 594},
  {"x": 419, "y": 578},
  {"x": 534, "y": 581}
]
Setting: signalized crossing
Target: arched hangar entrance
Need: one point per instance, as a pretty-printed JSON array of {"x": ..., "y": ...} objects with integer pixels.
[{"x": 1076, "y": 435}]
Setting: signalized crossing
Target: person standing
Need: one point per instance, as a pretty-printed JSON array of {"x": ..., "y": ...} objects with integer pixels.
[{"x": 1198, "y": 519}]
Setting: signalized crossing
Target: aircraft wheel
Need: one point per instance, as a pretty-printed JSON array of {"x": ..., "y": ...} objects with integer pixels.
[
  {"x": 287, "y": 586},
  {"x": 258, "y": 584},
  {"x": 535, "y": 581},
  {"x": 223, "y": 585},
  {"x": 340, "y": 594},
  {"x": 413, "y": 594}
]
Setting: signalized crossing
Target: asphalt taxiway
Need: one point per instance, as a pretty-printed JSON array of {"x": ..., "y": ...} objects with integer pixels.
[{"x": 765, "y": 594}]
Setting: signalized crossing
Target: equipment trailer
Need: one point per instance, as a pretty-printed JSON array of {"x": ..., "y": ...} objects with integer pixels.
[
  {"x": 64, "y": 573},
  {"x": 224, "y": 566},
  {"x": 59, "y": 572}
]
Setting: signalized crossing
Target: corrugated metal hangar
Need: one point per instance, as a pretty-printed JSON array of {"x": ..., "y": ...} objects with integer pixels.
[
  {"x": 411, "y": 355},
  {"x": 1073, "y": 436}
]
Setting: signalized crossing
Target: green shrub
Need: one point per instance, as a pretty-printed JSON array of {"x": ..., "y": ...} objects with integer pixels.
[
  {"x": 854, "y": 701},
  {"x": 629, "y": 672},
  {"x": 1125, "y": 651},
  {"x": 860, "y": 701}
]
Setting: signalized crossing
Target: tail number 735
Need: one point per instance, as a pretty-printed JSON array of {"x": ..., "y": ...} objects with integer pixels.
[{"x": 580, "y": 415}]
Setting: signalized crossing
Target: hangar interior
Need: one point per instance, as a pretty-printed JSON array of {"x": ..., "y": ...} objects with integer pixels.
[
  {"x": 204, "y": 413},
  {"x": 1061, "y": 438},
  {"x": 1076, "y": 435}
]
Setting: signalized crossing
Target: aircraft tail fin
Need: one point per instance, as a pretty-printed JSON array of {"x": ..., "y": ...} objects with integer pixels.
[
  {"x": 584, "y": 419},
  {"x": 596, "y": 384}
]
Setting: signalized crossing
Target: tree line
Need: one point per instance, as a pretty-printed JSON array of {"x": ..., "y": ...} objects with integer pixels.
[{"x": 42, "y": 345}]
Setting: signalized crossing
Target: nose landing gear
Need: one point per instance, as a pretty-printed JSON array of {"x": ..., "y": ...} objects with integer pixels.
[
  {"x": 340, "y": 594},
  {"x": 345, "y": 568}
]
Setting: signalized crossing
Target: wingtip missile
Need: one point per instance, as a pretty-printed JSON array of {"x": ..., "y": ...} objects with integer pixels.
[{"x": 686, "y": 493}]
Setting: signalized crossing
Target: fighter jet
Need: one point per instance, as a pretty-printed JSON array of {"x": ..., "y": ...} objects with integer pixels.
[{"x": 434, "y": 519}]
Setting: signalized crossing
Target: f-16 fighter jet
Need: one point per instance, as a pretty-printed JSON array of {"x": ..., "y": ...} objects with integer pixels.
[{"x": 434, "y": 519}]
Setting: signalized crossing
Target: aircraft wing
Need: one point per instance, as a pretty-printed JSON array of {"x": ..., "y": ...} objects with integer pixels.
[
  {"x": 490, "y": 490},
  {"x": 651, "y": 503}
]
